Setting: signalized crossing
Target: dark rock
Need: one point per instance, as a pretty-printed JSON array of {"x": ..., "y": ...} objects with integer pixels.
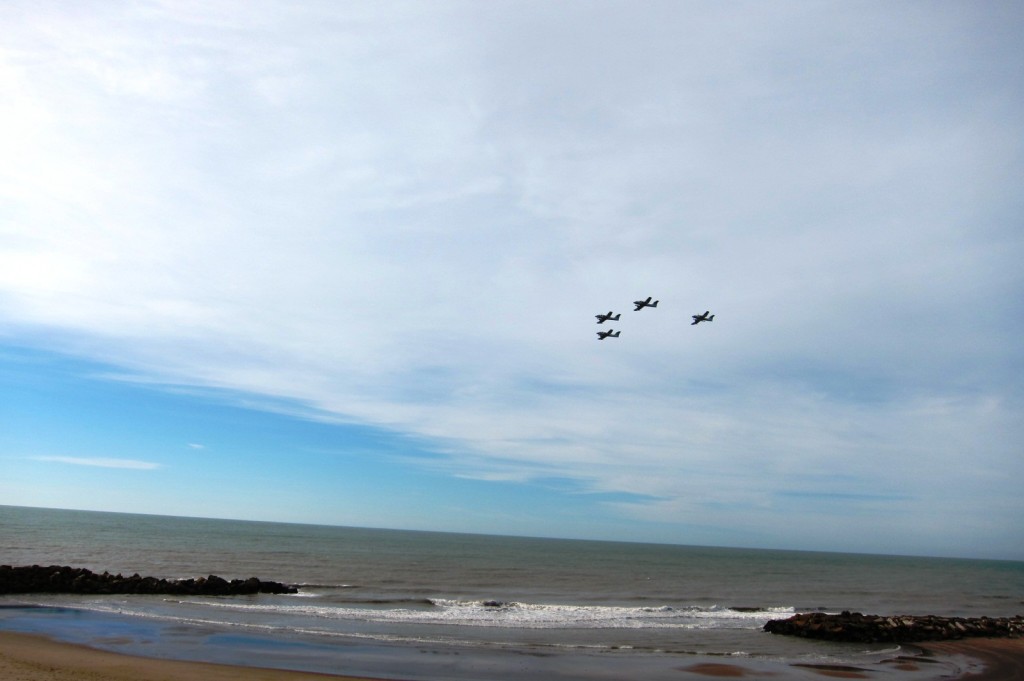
[
  {"x": 64, "y": 579},
  {"x": 855, "y": 627}
]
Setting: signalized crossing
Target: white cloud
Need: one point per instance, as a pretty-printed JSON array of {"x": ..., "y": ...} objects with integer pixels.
[
  {"x": 101, "y": 462},
  {"x": 407, "y": 216}
]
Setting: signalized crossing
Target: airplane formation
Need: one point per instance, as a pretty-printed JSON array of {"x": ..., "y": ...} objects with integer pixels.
[{"x": 639, "y": 305}]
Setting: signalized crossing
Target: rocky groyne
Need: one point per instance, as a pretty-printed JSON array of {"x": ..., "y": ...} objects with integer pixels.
[
  {"x": 69, "y": 580},
  {"x": 858, "y": 628}
]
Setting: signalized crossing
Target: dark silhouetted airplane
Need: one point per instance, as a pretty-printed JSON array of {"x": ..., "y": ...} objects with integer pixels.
[
  {"x": 610, "y": 333},
  {"x": 602, "y": 318},
  {"x": 698, "y": 318},
  {"x": 644, "y": 303}
]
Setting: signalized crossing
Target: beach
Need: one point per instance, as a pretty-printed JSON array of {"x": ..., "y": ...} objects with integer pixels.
[
  {"x": 29, "y": 657},
  {"x": 987, "y": 659},
  {"x": 421, "y": 606}
]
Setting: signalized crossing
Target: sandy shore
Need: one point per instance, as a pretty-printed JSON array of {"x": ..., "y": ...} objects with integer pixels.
[
  {"x": 1003, "y": 658},
  {"x": 25, "y": 657}
]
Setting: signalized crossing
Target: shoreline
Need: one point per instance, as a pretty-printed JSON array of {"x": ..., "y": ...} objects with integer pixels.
[
  {"x": 985, "y": 659},
  {"x": 36, "y": 657}
]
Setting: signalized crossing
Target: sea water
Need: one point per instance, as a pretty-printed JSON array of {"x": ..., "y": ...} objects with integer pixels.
[{"x": 427, "y": 605}]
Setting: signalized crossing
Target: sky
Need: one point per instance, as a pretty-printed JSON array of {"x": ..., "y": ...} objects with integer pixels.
[{"x": 339, "y": 263}]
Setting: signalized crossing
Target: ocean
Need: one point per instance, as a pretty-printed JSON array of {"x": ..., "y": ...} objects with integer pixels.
[{"x": 438, "y": 606}]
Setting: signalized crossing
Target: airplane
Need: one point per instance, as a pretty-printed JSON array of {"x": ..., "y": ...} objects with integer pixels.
[
  {"x": 698, "y": 318},
  {"x": 602, "y": 318},
  {"x": 610, "y": 333},
  {"x": 644, "y": 303}
]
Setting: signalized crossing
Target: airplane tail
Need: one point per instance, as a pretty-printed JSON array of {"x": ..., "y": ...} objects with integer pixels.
[
  {"x": 711, "y": 318},
  {"x": 654, "y": 304}
]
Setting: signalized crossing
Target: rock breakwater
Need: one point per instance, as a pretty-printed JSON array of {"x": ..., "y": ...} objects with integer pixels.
[
  {"x": 69, "y": 580},
  {"x": 858, "y": 628}
]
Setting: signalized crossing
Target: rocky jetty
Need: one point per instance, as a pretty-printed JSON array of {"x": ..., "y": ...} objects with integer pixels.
[
  {"x": 69, "y": 580},
  {"x": 858, "y": 628}
]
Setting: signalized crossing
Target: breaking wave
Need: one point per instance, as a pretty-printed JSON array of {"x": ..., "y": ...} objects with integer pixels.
[{"x": 450, "y": 612}]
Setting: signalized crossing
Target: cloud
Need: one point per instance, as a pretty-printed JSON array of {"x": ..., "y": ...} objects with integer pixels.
[
  {"x": 101, "y": 462},
  {"x": 406, "y": 217}
]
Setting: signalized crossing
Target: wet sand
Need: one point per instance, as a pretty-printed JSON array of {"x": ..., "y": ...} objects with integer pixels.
[
  {"x": 985, "y": 659},
  {"x": 974, "y": 659},
  {"x": 29, "y": 657}
]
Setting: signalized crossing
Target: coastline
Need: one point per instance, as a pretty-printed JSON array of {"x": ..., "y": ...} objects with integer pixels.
[
  {"x": 388, "y": 604},
  {"x": 985, "y": 659},
  {"x": 34, "y": 657}
]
